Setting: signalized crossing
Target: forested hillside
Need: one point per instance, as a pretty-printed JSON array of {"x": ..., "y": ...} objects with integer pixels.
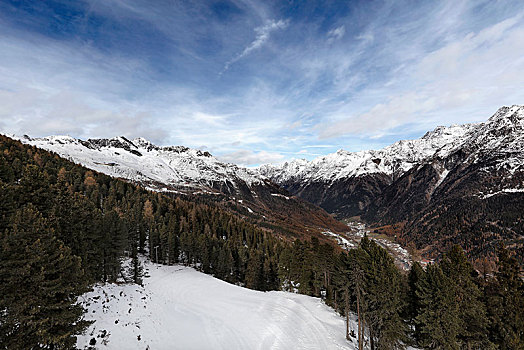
[
  {"x": 63, "y": 227},
  {"x": 53, "y": 208},
  {"x": 191, "y": 174}
]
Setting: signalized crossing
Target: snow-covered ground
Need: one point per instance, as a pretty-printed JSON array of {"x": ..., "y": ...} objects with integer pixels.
[{"x": 181, "y": 308}]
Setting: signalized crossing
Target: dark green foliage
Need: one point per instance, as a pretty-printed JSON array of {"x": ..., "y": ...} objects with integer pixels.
[
  {"x": 371, "y": 268},
  {"x": 438, "y": 319},
  {"x": 472, "y": 328},
  {"x": 40, "y": 281},
  {"x": 308, "y": 267},
  {"x": 63, "y": 227},
  {"x": 448, "y": 305},
  {"x": 504, "y": 297},
  {"x": 414, "y": 305}
]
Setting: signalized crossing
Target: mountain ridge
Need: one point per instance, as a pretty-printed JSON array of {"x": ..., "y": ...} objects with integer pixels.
[
  {"x": 440, "y": 140},
  {"x": 182, "y": 171},
  {"x": 455, "y": 185},
  {"x": 436, "y": 190}
]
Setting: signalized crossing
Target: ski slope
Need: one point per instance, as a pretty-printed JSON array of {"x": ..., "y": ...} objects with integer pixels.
[{"x": 181, "y": 308}]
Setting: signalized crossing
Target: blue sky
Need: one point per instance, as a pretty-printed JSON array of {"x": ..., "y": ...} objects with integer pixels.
[{"x": 257, "y": 81}]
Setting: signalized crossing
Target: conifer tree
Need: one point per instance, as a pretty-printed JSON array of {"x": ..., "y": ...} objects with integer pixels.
[
  {"x": 7, "y": 205},
  {"x": 255, "y": 271},
  {"x": 34, "y": 188},
  {"x": 505, "y": 300},
  {"x": 40, "y": 281},
  {"x": 472, "y": 330},
  {"x": 385, "y": 302},
  {"x": 414, "y": 306},
  {"x": 358, "y": 280},
  {"x": 438, "y": 319}
]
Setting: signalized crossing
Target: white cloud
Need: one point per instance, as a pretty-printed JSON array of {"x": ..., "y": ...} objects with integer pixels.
[
  {"x": 251, "y": 158},
  {"x": 466, "y": 80},
  {"x": 210, "y": 119},
  {"x": 38, "y": 113},
  {"x": 374, "y": 75},
  {"x": 263, "y": 35},
  {"x": 319, "y": 146},
  {"x": 50, "y": 88},
  {"x": 336, "y": 34}
]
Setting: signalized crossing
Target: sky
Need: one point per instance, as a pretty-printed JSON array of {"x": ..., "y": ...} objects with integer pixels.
[{"x": 253, "y": 81}]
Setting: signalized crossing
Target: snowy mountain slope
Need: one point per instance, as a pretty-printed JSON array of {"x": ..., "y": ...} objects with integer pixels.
[
  {"x": 161, "y": 168},
  {"x": 345, "y": 183},
  {"x": 180, "y": 308},
  {"x": 183, "y": 171}
]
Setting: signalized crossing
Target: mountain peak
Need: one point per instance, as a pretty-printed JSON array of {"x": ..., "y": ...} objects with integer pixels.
[
  {"x": 513, "y": 115},
  {"x": 396, "y": 159},
  {"x": 170, "y": 167},
  {"x": 143, "y": 143}
]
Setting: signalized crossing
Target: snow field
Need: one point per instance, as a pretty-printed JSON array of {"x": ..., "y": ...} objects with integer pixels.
[{"x": 181, "y": 308}]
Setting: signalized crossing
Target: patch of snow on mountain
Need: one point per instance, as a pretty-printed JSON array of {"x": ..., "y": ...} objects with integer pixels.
[
  {"x": 279, "y": 195},
  {"x": 443, "y": 176},
  {"x": 506, "y": 190}
]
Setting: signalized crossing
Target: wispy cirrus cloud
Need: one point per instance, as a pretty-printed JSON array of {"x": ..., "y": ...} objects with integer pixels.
[
  {"x": 263, "y": 34},
  {"x": 336, "y": 34},
  {"x": 465, "y": 79}
]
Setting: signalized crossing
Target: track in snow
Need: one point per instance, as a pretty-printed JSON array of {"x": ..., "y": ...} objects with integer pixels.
[{"x": 180, "y": 308}]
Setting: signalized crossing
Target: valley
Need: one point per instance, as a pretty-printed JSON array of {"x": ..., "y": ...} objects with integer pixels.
[
  {"x": 356, "y": 230},
  {"x": 460, "y": 184},
  {"x": 242, "y": 174}
]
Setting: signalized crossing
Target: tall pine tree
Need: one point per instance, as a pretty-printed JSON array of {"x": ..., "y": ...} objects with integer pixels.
[{"x": 40, "y": 281}]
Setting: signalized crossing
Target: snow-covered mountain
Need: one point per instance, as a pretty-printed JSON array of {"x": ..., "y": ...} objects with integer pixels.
[
  {"x": 184, "y": 171},
  {"x": 159, "y": 168},
  {"x": 366, "y": 173},
  {"x": 459, "y": 184},
  {"x": 501, "y": 132},
  {"x": 393, "y": 160}
]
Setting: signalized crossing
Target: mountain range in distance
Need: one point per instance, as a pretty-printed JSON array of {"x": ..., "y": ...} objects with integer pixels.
[
  {"x": 196, "y": 175},
  {"x": 462, "y": 184}
]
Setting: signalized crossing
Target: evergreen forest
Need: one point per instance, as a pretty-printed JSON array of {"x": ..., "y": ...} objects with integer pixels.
[{"x": 64, "y": 227}]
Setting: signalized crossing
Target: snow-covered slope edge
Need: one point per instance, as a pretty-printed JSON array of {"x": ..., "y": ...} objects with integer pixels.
[{"x": 180, "y": 308}]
